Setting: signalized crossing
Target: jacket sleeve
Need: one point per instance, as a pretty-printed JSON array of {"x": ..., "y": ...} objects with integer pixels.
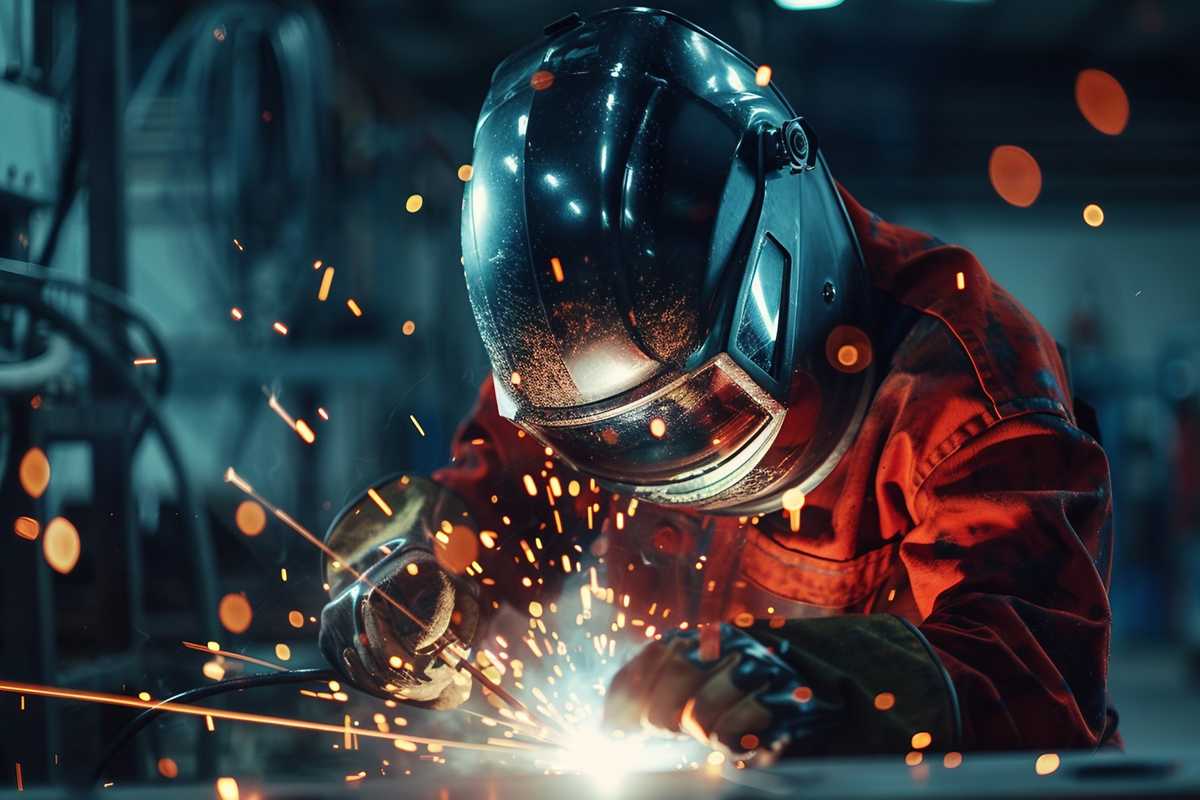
[
  {"x": 531, "y": 508},
  {"x": 1008, "y": 564}
]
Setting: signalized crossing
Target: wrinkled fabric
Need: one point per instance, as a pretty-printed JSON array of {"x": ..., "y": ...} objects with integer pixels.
[{"x": 970, "y": 504}]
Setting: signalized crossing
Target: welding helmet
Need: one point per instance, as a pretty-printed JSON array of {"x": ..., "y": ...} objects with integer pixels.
[{"x": 662, "y": 271}]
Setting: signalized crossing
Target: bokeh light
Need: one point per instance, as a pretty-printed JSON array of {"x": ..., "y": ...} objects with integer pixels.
[
  {"x": 1102, "y": 101},
  {"x": 250, "y": 517},
  {"x": 848, "y": 349},
  {"x": 235, "y": 613},
  {"x": 61, "y": 545},
  {"x": 1093, "y": 215},
  {"x": 1015, "y": 175},
  {"x": 34, "y": 472},
  {"x": 26, "y": 527}
]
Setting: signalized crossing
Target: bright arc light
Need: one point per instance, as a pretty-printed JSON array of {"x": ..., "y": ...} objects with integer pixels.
[
  {"x": 607, "y": 760},
  {"x": 806, "y": 5}
]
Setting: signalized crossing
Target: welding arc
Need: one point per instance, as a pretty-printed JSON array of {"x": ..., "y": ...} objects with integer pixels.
[
  {"x": 148, "y": 716},
  {"x": 446, "y": 642}
]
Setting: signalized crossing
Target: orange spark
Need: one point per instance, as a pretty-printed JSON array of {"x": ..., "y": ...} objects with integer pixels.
[
  {"x": 323, "y": 414},
  {"x": 145, "y": 361},
  {"x": 556, "y": 265},
  {"x": 762, "y": 76},
  {"x": 239, "y": 246},
  {"x": 417, "y": 425},
  {"x": 305, "y": 432},
  {"x": 280, "y": 328},
  {"x": 354, "y": 308},
  {"x": 235, "y": 312},
  {"x": 379, "y": 501},
  {"x": 27, "y": 528},
  {"x": 34, "y": 472},
  {"x": 326, "y": 282},
  {"x": 235, "y": 656},
  {"x": 960, "y": 281}
]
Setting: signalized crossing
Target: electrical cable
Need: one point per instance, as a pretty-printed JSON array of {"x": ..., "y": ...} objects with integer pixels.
[
  {"x": 138, "y": 723},
  {"x": 33, "y": 373},
  {"x": 203, "y": 555}
]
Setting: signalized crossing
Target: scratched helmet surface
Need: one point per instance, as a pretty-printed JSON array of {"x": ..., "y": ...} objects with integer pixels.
[{"x": 656, "y": 255}]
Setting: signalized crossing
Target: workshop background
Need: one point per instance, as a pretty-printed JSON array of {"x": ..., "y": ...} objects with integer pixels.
[{"x": 192, "y": 175}]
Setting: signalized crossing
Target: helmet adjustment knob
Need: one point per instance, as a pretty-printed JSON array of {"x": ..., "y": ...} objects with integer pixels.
[{"x": 794, "y": 145}]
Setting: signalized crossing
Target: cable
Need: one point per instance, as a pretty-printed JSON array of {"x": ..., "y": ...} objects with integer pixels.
[
  {"x": 202, "y": 548},
  {"x": 115, "y": 301},
  {"x": 148, "y": 716},
  {"x": 32, "y": 373}
]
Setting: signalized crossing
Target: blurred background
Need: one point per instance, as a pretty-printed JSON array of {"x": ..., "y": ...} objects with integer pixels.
[{"x": 257, "y": 205}]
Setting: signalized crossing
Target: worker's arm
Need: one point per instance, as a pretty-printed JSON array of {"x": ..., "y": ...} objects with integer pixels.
[{"x": 1011, "y": 652}]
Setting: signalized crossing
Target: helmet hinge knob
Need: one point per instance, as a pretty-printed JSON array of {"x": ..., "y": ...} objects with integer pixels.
[{"x": 794, "y": 145}]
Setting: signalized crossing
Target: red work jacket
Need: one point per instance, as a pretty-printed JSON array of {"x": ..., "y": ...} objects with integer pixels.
[{"x": 970, "y": 506}]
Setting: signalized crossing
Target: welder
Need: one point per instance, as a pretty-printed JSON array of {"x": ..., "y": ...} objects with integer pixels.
[{"x": 836, "y": 466}]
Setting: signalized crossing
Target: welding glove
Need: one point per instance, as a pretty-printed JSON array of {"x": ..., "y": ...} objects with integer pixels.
[
  {"x": 853, "y": 684},
  {"x": 397, "y": 597},
  {"x": 747, "y": 699}
]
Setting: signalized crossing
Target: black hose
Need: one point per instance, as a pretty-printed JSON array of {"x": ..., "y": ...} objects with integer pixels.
[
  {"x": 201, "y": 542},
  {"x": 148, "y": 716}
]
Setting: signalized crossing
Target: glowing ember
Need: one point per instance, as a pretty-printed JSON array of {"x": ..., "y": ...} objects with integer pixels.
[
  {"x": 27, "y": 528},
  {"x": 413, "y": 204},
  {"x": 1102, "y": 101},
  {"x": 658, "y": 428},
  {"x": 306, "y": 433},
  {"x": 762, "y": 76},
  {"x": 960, "y": 281},
  {"x": 145, "y": 361},
  {"x": 556, "y": 266},
  {"x": 326, "y": 283},
  {"x": 227, "y": 789},
  {"x": 60, "y": 545},
  {"x": 238, "y": 245},
  {"x": 1046, "y": 763},
  {"x": 408, "y": 327},
  {"x": 1093, "y": 215},
  {"x": 1015, "y": 175},
  {"x": 465, "y": 172},
  {"x": 535, "y": 609},
  {"x": 379, "y": 501},
  {"x": 793, "y": 501},
  {"x": 354, "y": 307},
  {"x": 235, "y": 613},
  {"x": 34, "y": 472},
  {"x": 250, "y": 517},
  {"x": 235, "y": 312},
  {"x": 280, "y": 328}
]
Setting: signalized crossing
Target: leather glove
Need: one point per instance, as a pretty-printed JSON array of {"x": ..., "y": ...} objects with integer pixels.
[{"x": 749, "y": 699}]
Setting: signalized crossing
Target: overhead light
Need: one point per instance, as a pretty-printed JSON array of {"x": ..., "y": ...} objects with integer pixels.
[{"x": 806, "y": 5}]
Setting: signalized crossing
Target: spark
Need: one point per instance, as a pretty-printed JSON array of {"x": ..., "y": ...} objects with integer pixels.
[
  {"x": 235, "y": 613},
  {"x": 413, "y": 204},
  {"x": 1046, "y": 763},
  {"x": 318, "y": 264},
  {"x": 417, "y": 425},
  {"x": 921, "y": 740},
  {"x": 793, "y": 501},
  {"x": 408, "y": 327},
  {"x": 300, "y": 427},
  {"x": 379, "y": 501},
  {"x": 323, "y": 414},
  {"x": 960, "y": 280},
  {"x": 1093, "y": 215},
  {"x": 239, "y": 246},
  {"x": 280, "y": 328},
  {"x": 556, "y": 265},
  {"x": 465, "y": 172},
  {"x": 658, "y": 428},
  {"x": 258, "y": 662},
  {"x": 27, "y": 528},
  {"x": 227, "y": 789},
  {"x": 354, "y": 307},
  {"x": 106, "y": 698},
  {"x": 145, "y": 361},
  {"x": 60, "y": 545},
  {"x": 306, "y": 433},
  {"x": 235, "y": 312},
  {"x": 295, "y": 619},
  {"x": 762, "y": 76},
  {"x": 326, "y": 283},
  {"x": 34, "y": 472}
]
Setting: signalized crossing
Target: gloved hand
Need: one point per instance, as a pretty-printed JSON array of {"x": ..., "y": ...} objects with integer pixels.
[
  {"x": 384, "y": 630},
  {"x": 748, "y": 699}
]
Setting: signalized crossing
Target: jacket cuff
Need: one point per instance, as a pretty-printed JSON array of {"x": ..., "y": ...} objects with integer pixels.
[{"x": 888, "y": 678}]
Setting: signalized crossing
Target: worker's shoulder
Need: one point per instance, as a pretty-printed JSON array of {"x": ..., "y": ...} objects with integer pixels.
[{"x": 971, "y": 324}]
